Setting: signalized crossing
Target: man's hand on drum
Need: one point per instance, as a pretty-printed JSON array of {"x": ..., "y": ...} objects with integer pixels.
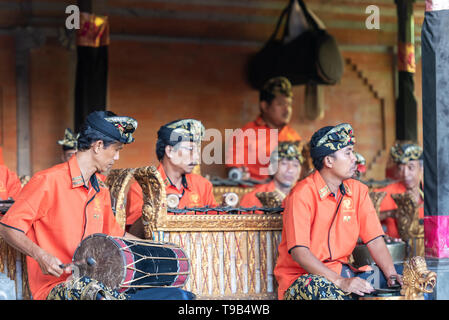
[
  {"x": 50, "y": 265},
  {"x": 354, "y": 285}
]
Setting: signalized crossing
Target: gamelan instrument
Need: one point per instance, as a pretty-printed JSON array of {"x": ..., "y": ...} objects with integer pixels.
[{"x": 122, "y": 263}]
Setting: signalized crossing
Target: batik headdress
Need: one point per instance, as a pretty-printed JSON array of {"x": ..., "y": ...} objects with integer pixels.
[
  {"x": 405, "y": 152},
  {"x": 277, "y": 86},
  {"x": 287, "y": 150},
  {"x": 70, "y": 140},
  {"x": 331, "y": 139},
  {"x": 119, "y": 128},
  {"x": 182, "y": 130}
]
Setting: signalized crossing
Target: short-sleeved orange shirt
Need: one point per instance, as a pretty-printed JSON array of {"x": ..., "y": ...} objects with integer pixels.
[
  {"x": 330, "y": 227},
  {"x": 250, "y": 199},
  {"x": 1, "y": 156},
  {"x": 196, "y": 191},
  {"x": 388, "y": 204},
  {"x": 10, "y": 185},
  {"x": 251, "y": 145},
  {"x": 56, "y": 211}
]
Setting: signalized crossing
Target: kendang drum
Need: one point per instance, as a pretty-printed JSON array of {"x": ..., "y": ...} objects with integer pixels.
[{"x": 122, "y": 264}]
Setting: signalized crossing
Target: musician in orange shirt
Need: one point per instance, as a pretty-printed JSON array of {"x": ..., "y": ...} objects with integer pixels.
[
  {"x": 178, "y": 149},
  {"x": 324, "y": 216},
  {"x": 62, "y": 205},
  {"x": 408, "y": 157},
  {"x": 249, "y": 149},
  {"x": 285, "y": 165},
  {"x": 10, "y": 187}
]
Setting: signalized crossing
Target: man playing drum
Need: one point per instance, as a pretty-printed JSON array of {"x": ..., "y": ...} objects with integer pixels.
[
  {"x": 324, "y": 216},
  {"x": 62, "y": 205}
]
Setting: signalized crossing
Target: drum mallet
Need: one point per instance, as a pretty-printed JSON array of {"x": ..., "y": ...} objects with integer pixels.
[{"x": 89, "y": 260}]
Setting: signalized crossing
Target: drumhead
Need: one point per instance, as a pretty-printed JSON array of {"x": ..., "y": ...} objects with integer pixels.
[{"x": 110, "y": 261}]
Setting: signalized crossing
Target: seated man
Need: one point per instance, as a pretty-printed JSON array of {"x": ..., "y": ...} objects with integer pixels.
[
  {"x": 10, "y": 187},
  {"x": 248, "y": 145},
  {"x": 288, "y": 159},
  {"x": 69, "y": 144},
  {"x": 62, "y": 205},
  {"x": 324, "y": 216},
  {"x": 409, "y": 159},
  {"x": 178, "y": 149}
]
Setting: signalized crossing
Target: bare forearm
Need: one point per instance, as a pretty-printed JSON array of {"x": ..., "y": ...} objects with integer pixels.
[
  {"x": 381, "y": 256},
  {"x": 312, "y": 265},
  {"x": 20, "y": 241}
]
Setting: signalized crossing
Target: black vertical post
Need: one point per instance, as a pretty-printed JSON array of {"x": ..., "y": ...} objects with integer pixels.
[
  {"x": 91, "y": 71},
  {"x": 406, "y": 107},
  {"x": 435, "y": 79}
]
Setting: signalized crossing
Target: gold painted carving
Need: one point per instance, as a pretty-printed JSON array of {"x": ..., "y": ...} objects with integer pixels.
[
  {"x": 376, "y": 198},
  {"x": 417, "y": 279}
]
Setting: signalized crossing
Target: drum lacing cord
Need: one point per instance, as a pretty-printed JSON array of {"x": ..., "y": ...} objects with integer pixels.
[{"x": 142, "y": 257}]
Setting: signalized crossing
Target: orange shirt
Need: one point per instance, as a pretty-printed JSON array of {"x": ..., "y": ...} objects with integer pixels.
[
  {"x": 314, "y": 219},
  {"x": 56, "y": 211},
  {"x": 250, "y": 199},
  {"x": 10, "y": 185},
  {"x": 196, "y": 192},
  {"x": 249, "y": 150},
  {"x": 388, "y": 204}
]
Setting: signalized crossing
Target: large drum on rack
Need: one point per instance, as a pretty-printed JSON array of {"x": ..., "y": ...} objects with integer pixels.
[{"x": 122, "y": 264}]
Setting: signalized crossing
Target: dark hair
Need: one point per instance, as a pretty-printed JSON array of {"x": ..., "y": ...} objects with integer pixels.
[
  {"x": 160, "y": 149},
  {"x": 65, "y": 148},
  {"x": 89, "y": 135},
  {"x": 266, "y": 96}
]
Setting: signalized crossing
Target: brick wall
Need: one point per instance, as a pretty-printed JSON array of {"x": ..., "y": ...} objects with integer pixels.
[
  {"x": 157, "y": 82},
  {"x": 160, "y": 82}
]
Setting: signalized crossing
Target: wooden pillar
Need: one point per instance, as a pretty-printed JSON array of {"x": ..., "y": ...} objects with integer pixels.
[{"x": 25, "y": 40}]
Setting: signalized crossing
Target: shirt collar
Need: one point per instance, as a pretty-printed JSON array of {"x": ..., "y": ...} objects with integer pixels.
[
  {"x": 260, "y": 122},
  {"x": 323, "y": 189},
  {"x": 167, "y": 181},
  {"x": 75, "y": 173},
  {"x": 77, "y": 178}
]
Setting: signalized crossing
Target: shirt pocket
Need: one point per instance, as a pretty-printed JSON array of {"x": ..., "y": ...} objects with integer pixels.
[{"x": 95, "y": 216}]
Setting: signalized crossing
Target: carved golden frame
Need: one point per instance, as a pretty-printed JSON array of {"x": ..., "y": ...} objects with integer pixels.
[{"x": 154, "y": 210}]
